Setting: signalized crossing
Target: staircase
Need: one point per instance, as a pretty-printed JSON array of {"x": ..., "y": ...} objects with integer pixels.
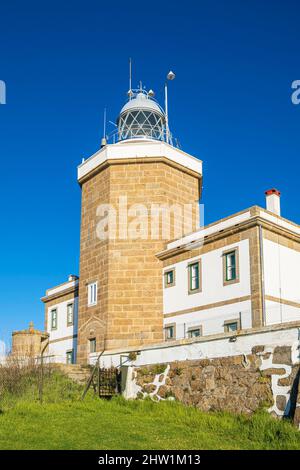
[{"x": 78, "y": 373}]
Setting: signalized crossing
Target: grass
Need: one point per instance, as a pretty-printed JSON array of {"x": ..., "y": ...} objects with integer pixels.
[{"x": 64, "y": 422}]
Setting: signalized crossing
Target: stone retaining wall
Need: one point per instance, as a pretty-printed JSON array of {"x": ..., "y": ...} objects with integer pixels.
[{"x": 242, "y": 383}]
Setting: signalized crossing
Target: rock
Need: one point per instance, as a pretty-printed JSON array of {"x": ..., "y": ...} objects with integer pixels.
[
  {"x": 258, "y": 349},
  {"x": 285, "y": 382},
  {"x": 168, "y": 381},
  {"x": 147, "y": 379},
  {"x": 163, "y": 391},
  {"x": 273, "y": 371},
  {"x": 150, "y": 388},
  {"x": 281, "y": 402},
  {"x": 282, "y": 355}
]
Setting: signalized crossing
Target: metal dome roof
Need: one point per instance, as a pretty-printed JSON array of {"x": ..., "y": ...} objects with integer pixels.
[{"x": 141, "y": 101}]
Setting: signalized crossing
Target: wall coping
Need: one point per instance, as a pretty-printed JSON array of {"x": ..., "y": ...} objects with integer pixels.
[{"x": 202, "y": 339}]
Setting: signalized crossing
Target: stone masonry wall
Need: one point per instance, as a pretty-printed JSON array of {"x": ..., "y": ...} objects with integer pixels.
[
  {"x": 240, "y": 384},
  {"x": 129, "y": 308}
]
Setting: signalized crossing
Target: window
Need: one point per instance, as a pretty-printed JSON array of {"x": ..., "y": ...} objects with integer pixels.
[
  {"x": 54, "y": 319},
  {"x": 92, "y": 293},
  {"x": 194, "y": 332},
  {"x": 70, "y": 357},
  {"x": 231, "y": 326},
  {"x": 170, "y": 278},
  {"x": 70, "y": 314},
  {"x": 194, "y": 277},
  {"x": 230, "y": 267},
  {"x": 93, "y": 345},
  {"x": 170, "y": 332}
]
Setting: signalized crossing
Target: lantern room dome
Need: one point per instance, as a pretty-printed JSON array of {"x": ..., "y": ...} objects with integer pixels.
[
  {"x": 141, "y": 101},
  {"x": 141, "y": 117}
]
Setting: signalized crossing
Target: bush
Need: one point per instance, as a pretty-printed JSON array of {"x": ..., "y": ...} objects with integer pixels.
[{"x": 33, "y": 382}]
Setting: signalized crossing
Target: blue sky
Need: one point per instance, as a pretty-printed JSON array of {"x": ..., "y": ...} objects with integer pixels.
[{"x": 63, "y": 62}]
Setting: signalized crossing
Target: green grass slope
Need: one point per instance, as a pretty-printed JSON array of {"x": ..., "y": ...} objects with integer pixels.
[{"x": 62, "y": 421}]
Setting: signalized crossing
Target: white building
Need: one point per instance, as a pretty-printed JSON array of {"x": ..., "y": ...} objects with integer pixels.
[
  {"x": 218, "y": 278},
  {"x": 61, "y": 320}
]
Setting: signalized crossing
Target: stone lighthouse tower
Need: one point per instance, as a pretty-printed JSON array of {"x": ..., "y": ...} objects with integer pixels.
[{"x": 137, "y": 193}]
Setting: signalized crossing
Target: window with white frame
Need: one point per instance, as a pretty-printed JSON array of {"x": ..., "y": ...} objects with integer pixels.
[
  {"x": 54, "y": 319},
  {"x": 92, "y": 293},
  {"x": 70, "y": 314}
]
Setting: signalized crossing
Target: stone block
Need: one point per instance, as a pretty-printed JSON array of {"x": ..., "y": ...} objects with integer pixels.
[{"x": 282, "y": 355}]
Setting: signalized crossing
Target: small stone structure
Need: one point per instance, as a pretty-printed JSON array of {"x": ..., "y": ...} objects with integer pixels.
[
  {"x": 241, "y": 384},
  {"x": 28, "y": 343}
]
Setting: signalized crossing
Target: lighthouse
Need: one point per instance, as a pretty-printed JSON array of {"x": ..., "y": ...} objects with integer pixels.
[{"x": 137, "y": 176}]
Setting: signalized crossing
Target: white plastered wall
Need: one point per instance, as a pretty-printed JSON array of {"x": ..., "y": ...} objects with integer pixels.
[
  {"x": 177, "y": 298},
  {"x": 282, "y": 281},
  {"x": 62, "y": 338}
]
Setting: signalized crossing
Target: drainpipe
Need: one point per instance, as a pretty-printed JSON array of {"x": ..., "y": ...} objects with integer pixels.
[{"x": 261, "y": 255}]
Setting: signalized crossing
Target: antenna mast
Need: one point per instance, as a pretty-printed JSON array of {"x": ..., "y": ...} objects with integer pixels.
[
  {"x": 170, "y": 76},
  {"x": 103, "y": 140},
  {"x": 130, "y": 78},
  {"x": 104, "y": 123}
]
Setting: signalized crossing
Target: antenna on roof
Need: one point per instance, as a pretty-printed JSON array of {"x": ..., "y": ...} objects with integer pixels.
[
  {"x": 170, "y": 76},
  {"x": 103, "y": 140},
  {"x": 129, "y": 93}
]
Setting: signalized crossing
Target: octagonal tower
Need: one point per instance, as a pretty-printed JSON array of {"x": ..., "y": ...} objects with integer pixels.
[{"x": 136, "y": 194}]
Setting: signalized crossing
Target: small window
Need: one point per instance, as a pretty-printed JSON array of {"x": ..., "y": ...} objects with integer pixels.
[
  {"x": 93, "y": 345},
  {"x": 92, "y": 293},
  {"x": 231, "y": 326},
  {"x": 70, "y": 314},
  {"x": 194, "y": 277},
  {"x": 54, "y": 319},
  {"x": 170, "y": 332},
  {"x": 70, "y": 357},
  {"x": 194, "y": 332},
  {"x": 170, "y": 278},
  {"x": 230, "y": 266}
]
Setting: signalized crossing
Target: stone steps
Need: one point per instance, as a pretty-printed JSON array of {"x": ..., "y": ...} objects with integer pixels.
[{"x": 75, "y": 372}]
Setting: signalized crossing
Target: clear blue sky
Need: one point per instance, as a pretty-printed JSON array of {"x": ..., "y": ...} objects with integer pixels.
[{"x": 63, "y": 62}]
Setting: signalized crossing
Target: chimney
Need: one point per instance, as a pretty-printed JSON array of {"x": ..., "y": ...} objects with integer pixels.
[
  {"x": 273, "y": 201},
  {"x": 72, "y": 277}
]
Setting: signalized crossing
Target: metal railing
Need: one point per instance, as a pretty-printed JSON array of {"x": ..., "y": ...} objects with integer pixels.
[{"x": 141, "y": 132}]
